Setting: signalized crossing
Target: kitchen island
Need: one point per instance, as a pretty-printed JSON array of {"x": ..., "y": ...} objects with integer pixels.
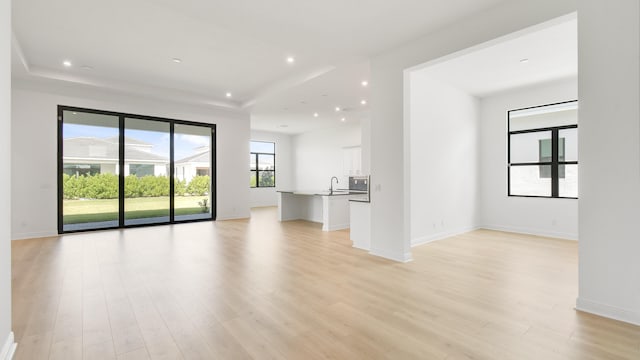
[{"x": 326, "y": 207}]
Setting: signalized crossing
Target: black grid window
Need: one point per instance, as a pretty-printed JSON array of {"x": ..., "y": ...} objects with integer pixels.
[
  {"x": 262, "y": 164},
  {"x": 542, "y": 151}
]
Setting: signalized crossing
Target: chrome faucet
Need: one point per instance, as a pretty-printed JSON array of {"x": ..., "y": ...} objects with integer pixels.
[{"x": 331, "y": 189}]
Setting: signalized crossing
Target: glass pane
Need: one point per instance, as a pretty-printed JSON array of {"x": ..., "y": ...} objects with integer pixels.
[
  {"x": 568, "y": 183},
  {"x": 266, "y": 162},
  {"x": 568, "y": 144},
  {"x": 267, "y": 178},
  {"x": 192, "y": 183},
  {"x": 146, "y": 170},
  {"x": 531, "y": 147},
  {"x": 262, "y": 147},
  {"x": 90, "y": 148},
  {"x": 252, "y": 179},
  {"x": 252, "y": 161},
  {"x": 544, "y": 116},
  {"x": 528, "y": 180}
]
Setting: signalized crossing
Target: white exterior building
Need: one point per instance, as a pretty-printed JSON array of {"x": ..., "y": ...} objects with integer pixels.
[
  {"x": 194, "y": 165},
  {"x": 90, "y": 156}
]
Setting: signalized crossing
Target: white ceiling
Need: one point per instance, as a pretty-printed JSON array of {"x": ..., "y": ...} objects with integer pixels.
[
  {"x": 292, "y": 110},
  {"x": 238, "y": 46},
  {"x": 552, "y": 53}
]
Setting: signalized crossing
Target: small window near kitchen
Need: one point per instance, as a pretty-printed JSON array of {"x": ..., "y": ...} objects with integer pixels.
[
  {"x": 543, "y": 151},
  {"x": 262, "y": 164}
]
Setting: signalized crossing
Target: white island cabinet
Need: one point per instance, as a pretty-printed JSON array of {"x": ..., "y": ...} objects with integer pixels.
[{"x": 330, "y": 209}]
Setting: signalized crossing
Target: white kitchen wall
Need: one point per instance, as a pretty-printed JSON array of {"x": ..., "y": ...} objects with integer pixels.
[
  {"x": 609, "y": 90},
  {"x": 365, "y": 131},
  {"x": 444, "y": 159},
  {"x": 390, "y": 232},
  {"x": 6, "y": 336},
  {"x": 284, "y": 171},
  {"x": 34, "y": 149},
  {"x": 318, "y": 155},
  {"x": 546, "y": 217}
]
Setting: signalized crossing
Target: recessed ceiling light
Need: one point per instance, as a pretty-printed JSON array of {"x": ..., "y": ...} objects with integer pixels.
[
  {"x": 176, "y": 60},
  {"x": 524, "y": 61},
  {"x": 228, "y": 94},
  {"x": 316, "y": 114},
  {"x": 325, "y": 95},
  {"x": 284, "y": 125},
  {"x": 67, "y": 63},
  {"x": 338, "y": 108},
  {"x": 363, "y": 102},
  {"x": 365, "y": 83},
  {"x": 343, "y": 119},
  {"x": 74, "y": 113},
  {"x": 86, "y": 67},
  {"x": 290, "y": 60}
]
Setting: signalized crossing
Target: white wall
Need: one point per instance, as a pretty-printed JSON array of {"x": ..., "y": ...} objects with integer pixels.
[
  {"x": 34, "y": 149},
  {"x": 444, "y": 159},
  {"x": 284, "y": 171},
  {"x": 318, "y": 155},
  {"x": 390, "y": 227},
  {"x": 365, "y": 137},
  {"x": 6, "y": 337},
  {"x": 546, "y": 217},
  {"x": 609, "y": 91}
]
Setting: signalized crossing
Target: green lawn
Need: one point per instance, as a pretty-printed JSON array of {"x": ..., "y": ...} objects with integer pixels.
[{"x": 83, "y": 211}]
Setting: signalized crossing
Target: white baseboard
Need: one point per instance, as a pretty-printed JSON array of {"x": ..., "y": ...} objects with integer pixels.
[
  {"x": 444, "y": 235},
  {"x": 265, "y": 204},
  {"x": 360, "y": 247},
  {"x": 608, "y": 311},
  {"x": 336, "y": 227},
  {"x": 9, "y": 348},
  {"x": 33, "y": 235},
  {"x": 529, "y": 231},
  {"x": 440, "y": 236},
  {"x": 404, "y": 258}
]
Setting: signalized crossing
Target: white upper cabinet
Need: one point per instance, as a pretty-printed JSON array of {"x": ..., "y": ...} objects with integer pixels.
[{"x": 352, "y": 161}]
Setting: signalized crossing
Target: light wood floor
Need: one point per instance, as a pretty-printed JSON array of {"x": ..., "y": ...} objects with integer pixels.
[{"x": 258, "y": 289}]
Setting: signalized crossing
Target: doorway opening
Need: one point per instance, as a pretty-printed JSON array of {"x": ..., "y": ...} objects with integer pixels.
[{"x": 457, "y": 133}]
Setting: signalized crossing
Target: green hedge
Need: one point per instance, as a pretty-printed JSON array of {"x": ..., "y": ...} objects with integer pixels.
[
  {"x": 146, "y": 186},
  {"x": 100, "y": 186},
  {"x": 199, "y": 185},
  {"x": 105, "y": 186}
]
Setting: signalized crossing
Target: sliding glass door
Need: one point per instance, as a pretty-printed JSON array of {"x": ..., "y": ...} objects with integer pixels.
[
  {"x": 147, "y": 150},
  {"x": 89, "y": 171},
  {"x": 120, "y": 170},
  {"x": 192, "y": 184}
]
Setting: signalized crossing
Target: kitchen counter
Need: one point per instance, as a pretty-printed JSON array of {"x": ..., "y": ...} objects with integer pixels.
[{"x": 329, "y": 208}]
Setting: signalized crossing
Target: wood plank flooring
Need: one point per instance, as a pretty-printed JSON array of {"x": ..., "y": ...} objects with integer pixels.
[{"x": 260, "y": 289}]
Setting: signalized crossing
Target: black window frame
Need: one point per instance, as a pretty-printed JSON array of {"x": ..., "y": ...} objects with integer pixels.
[
  {"x": 555, "y": 162},
  {"x": 121, "y": 163},
  {"x": 257, "y": 168}
]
